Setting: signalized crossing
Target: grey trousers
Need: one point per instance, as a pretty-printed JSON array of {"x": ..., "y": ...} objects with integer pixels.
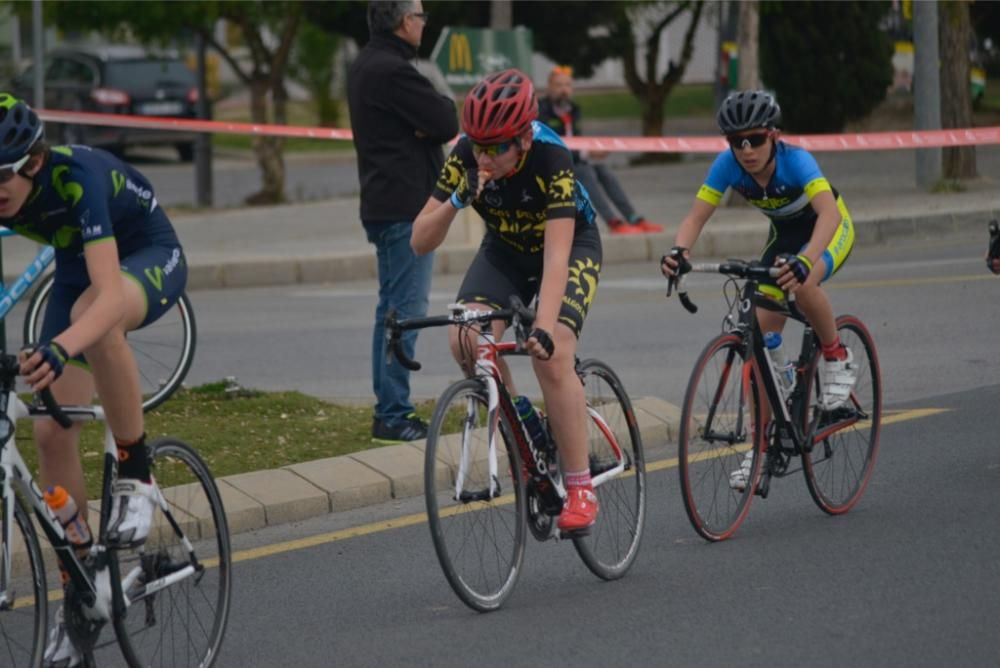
[{"x": 603, "y": 185}]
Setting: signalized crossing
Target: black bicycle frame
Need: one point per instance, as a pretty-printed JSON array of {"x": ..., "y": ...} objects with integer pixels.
[{"x": 788, "y": 412}]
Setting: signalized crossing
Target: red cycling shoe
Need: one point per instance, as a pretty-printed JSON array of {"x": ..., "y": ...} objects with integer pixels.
[{"x": 580, "y": 511}]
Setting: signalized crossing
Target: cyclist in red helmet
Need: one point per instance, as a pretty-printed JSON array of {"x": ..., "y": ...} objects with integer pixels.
[{"x": 518, "y": 176}]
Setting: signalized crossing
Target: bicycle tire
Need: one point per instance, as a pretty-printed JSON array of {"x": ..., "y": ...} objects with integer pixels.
[
  {"x": 498, "y": 525},
  {"x": 164, "y": 350},
  {"x": 613, "y": 542},
  {"x": 195, "y": 608},
  {"x": 22, "y": 624},
  {"x": 714, "y": 508},
  {"x": 838, "y": 468}
]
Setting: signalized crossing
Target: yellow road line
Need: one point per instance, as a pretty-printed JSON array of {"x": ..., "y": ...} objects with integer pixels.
[{"x": 890, "y": 417}]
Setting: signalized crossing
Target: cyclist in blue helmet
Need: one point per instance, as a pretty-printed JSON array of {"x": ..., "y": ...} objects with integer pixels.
[{"x": 118, "y": 267}]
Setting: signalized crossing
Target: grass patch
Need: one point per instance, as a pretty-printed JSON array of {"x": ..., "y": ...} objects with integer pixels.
[{"x": 237, "y": 430}]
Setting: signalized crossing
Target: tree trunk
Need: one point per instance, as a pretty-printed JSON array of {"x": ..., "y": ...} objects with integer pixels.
[
  {"x": 749, "y": 39},
  {"x": 267, "y": 149},
  {"x": 652, "y": 112},
  {"x": 955, "y": 32}
]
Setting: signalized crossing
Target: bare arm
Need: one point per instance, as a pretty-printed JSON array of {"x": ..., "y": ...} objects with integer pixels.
[
  {"x": 431, "y": 225},
  {"x": 105, "y": 310},
  {"x": 827, "y": 222},
  {"x": 688, "y": 232}
]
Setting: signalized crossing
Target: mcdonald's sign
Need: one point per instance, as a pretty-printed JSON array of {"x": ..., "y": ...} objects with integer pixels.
[
  {"x": 466, "y": 55},
  {"x": 459, "y": 52}
]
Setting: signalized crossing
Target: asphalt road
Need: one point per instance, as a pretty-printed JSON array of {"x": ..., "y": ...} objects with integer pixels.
[
  {"x": 909, "y": 577},
  {"x": 925, "y": 303}
]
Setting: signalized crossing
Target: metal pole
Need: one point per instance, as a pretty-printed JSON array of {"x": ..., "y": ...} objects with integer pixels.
[
  {"x": 203, "y": 145},
  {"x": 927, "y": 89},
  {"x": 38, "y": 53}
]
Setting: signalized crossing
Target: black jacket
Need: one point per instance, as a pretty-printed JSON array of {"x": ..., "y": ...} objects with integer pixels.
[
  {"x": 399, "y": 123},
  {"x": 547, "y": 115}
]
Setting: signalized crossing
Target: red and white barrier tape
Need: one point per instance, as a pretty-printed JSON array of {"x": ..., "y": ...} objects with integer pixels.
[{"x": 866, "y": 141}]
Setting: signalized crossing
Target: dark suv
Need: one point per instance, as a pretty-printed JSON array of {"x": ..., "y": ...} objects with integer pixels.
[{"x": 116, "y": 80}]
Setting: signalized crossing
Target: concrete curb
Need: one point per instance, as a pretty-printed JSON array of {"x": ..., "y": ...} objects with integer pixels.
[
  {"x": 718, "y": 240},
  {"x": 310, "y": 489}
]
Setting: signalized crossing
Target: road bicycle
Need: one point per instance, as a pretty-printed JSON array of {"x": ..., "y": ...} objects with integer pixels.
[
  {"x": 723, "y": 414},
  {"x": 163, "y": 350},
  {"x": 486, "y": 484},
  {"x": 167, "y": 600}
]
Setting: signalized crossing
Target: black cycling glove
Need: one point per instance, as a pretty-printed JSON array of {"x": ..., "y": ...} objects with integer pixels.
[{"x": 466, "y": 190}]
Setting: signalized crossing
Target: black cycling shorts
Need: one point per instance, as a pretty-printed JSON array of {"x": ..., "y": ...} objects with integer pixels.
[
  {"x": 497, "y": 272},
  {"x": 160, "y": 271}
]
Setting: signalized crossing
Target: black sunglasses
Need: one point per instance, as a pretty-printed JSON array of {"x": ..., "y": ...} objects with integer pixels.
[
  {"x": 752, "y": 141},
  {"x": 423, "y": 16}
]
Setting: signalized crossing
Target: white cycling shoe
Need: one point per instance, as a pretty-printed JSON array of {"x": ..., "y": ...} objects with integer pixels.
[
  {"x": 131, "y": 512},
  {"x": 60, "y": 652},
  {"x": 838, "y": 378},
  {"x": 740, "y": 478}
]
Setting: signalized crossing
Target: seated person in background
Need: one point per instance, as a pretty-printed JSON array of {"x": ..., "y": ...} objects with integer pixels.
[{"x": 562, "y": 114}]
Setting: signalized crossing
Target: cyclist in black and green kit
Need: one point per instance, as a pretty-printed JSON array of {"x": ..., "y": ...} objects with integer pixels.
[{"x": 119, "y": 267}]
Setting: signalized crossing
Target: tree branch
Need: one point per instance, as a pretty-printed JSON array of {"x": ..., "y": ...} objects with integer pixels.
[
  {"x": 674, "y": 74},
  {"x": 279, "y": 60}
]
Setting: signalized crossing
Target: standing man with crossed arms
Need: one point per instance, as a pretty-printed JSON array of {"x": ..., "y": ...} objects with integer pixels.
[{"x": 399, "y": 123}]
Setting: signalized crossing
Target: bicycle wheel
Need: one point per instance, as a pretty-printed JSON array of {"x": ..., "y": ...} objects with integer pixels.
[
  {"x": 840, "y": 463},
  {"x": 163, "y": 350},
  {"x": 479, "y": 530},
  {"x": 613, "y": 440},
  {"x": 719, "y": 424},
  {"x": 23, "y": 597},
  {"x": 178, "y": 583}
]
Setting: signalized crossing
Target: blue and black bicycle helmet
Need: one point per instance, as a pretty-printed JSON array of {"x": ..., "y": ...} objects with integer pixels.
[
  {"x": 20, "y": 128},
  {"x": 748, "y": 110}
]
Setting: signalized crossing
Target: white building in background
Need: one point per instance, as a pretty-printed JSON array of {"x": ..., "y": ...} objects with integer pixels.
[{"x": 611, "y": 73}]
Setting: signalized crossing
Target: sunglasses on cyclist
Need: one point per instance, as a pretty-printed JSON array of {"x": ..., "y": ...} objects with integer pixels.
[
  {"x": 748, "y": 141},
  {"x": 492, "y": 150},
  {"x": 7, "y": 172}
]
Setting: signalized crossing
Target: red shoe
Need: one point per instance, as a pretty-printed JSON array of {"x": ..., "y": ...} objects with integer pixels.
[
  {"x": 648, "y": 227},
  {"x": 580, "y": 511},
  {"x": 619, "y": 226}
]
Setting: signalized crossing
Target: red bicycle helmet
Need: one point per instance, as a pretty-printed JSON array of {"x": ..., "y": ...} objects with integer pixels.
[{"x": 500, "y": 107}]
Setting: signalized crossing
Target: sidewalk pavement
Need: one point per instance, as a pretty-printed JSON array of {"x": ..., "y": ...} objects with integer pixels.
[{"x": 323, "y": 242}]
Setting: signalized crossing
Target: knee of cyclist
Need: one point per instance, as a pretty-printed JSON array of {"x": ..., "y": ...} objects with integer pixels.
[{"x": 51, "y": 439}]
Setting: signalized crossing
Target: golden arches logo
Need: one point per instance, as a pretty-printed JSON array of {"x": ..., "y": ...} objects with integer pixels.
[{"x": 459, "y": 52}]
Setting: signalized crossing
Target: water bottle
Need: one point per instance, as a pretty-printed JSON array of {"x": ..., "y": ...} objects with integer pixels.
[
  {"x": 66, "y": 510},
  {"x": 532, "y": 422},
  {"x": 784, "y": 369}
]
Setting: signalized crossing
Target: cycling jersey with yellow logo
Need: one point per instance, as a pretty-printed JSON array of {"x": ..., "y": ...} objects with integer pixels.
[{"x": 516, "y": 208}]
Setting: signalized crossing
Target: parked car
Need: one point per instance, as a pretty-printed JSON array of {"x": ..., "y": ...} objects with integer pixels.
[{"x": 116, "y": 80}]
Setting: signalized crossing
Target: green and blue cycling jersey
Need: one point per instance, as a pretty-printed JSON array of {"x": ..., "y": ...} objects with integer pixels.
[
  {"x": 786, "y": 200},
  {"x": 83, "y": 196}
]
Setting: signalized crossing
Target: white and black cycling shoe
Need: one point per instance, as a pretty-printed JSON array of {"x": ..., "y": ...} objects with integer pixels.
[
  {"x": 131, "y": 512},
  {"x": 61, "y": 652}
]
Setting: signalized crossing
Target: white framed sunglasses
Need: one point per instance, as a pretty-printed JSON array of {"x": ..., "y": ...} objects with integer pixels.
[{"x": 7, "y": 172}]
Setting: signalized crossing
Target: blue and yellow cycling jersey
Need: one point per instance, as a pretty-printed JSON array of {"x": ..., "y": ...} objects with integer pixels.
[
  {"x": 516, "y": 207},
  {"x": 786, "y": 200},
  {"x": 83, "y": 196},
  {"x": 786, "y": 197}
]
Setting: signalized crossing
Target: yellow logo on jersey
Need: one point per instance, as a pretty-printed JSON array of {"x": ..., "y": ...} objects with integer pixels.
[{"x": 563, "y": 185}]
